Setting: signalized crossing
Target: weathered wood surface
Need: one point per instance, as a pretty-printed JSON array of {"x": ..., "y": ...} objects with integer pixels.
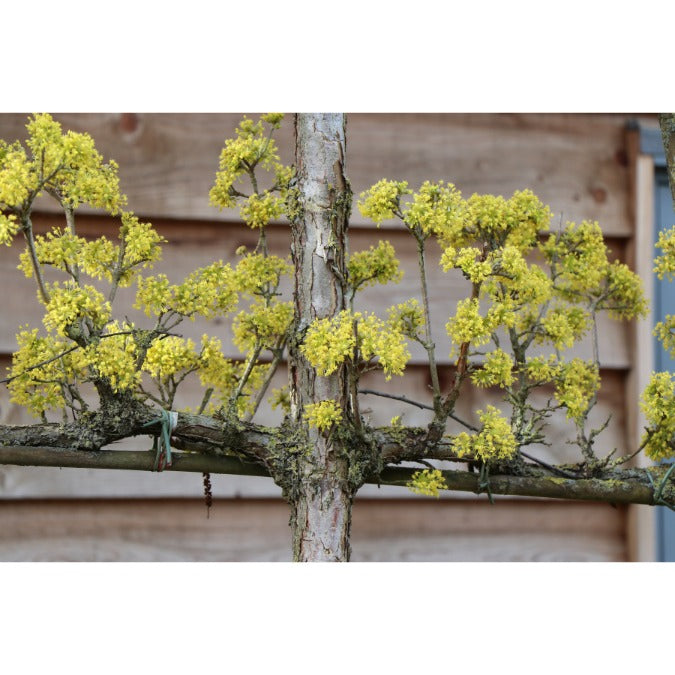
[
  {"x": 257, "y": 530},
  {"x": 195, "y": 244},
  {"x": 576, "y": 163}
]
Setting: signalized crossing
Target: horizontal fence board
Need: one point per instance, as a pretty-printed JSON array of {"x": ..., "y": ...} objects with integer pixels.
[
  {"x": 194, "y": 244},
  {"x": 258, "y": 531},
  {"x": 576, "y": 163}
]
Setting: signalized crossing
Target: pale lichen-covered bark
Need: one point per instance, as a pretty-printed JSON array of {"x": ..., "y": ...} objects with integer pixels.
[{"x": 321, "y": 498}]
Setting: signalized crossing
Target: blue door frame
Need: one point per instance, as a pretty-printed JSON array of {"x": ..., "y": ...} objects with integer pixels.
[{"x": 664, "y": 303}]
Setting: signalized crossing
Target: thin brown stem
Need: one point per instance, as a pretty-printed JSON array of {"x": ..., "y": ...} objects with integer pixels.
[
  {"x": 274, "y": 364},
  {"x": 37, "y": 268},
  {"x": 423, "y": 406},
  {"x": 428, "y": 344},
  {"x": 244, "y": 378},
  {"x": 205, "y": 401}
]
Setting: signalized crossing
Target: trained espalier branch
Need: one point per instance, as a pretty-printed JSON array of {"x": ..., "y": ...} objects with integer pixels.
[{"x": 529, "y": 290}]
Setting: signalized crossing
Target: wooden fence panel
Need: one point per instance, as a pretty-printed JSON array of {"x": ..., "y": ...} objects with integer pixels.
[
  {"x": 255, "y": 530},
  {"x": 576, "y": 163}
]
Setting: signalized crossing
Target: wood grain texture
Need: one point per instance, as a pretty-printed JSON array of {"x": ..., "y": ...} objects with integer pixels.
[
  {"x": 178, "y": 530},
  {"x": 576, "y": 163}
]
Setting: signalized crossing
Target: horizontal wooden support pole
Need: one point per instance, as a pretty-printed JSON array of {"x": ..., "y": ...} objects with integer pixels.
[{"x": 634, "y": 490}]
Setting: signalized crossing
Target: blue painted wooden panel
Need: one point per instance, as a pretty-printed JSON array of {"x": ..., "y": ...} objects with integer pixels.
[{"x": 664, "y": 303}]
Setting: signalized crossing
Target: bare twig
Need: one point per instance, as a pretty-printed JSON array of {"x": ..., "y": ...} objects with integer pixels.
[{"x": 423, "y": 406}]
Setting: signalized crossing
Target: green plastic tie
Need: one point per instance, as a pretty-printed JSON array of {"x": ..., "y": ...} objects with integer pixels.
[
  {"x": 658, "y": 491},
  {"x": 484, "y": 482},
  {"x": 161, "y": 443}
]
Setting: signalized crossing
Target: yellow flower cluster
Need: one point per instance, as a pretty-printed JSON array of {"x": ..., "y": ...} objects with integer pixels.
[
  {"x": 215, "y": 370},
  {"x": 665, "y": 332},
  {"x": 664, "y": 265},
  {"x": 582, "y": 272},
  {"x": 406, "y": 318},
  {"x": 467, "y": 260},
  {"x": 382, "y": 200},
  {"x": 377, "y": 265},
  {"x": 623, "y": 297},
  {"x": 153, "y": 295},
  {"x": 323, "y": 415},
  {"x": 578, "y": 255},
  {"x": 258, "y": 210},
  {"x": 170, "y": 355},
  {"x": 500, "y": 222},
  {"x": 72, "y": 166},
  {"x": 263, "y": 324},
  {"x": 467, "y": 325},
  {"x": 17, "y": 181},
  {"x": 59, "y": 249},
  {"x": 495, "y": 440},
  {"x": 434, "y": 209},
  {"x": 8, "y": 228},
  {"x": 330, "y": 342},
  {"x": 142, "y": 244},
  {"x": 563, "y": 326},
  {"x": 115, "y": 358},
  {"x": 39, "y": 389},
  {"x": 280, "y": 398},
  {"x": 427, "y": 482},
  {"x": 241, "y": 155},
  {"x": 541, "y": 370},
  {"x": 255, "y": 271},
  {"x": 658, "y": 405},
  {"x": 517, "y": 291},
  {"x": 69, "y": 303},
  {"x": 208, "y": 291},
  {"x": 576, "y": 383},
  {"x": 99, "y": 259},
  {"x": 65, "y": 251},
  {"x": 525, "y": 286},
  {"x": 378, "y": 339},
  {"x": 497, "y": 370},
  {"x": 526, "y": 218},
  {"x": 273, "y": 119}
]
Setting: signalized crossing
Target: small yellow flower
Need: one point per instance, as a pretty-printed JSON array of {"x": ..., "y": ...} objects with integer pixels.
[
  {"x": 427, "y": 482},
  {"x": 323, "y": 415}
]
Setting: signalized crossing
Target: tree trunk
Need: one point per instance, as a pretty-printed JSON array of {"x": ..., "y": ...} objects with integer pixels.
[
  {"x": 321, "y": 497},
  {"x": 667, "y": 123}
]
